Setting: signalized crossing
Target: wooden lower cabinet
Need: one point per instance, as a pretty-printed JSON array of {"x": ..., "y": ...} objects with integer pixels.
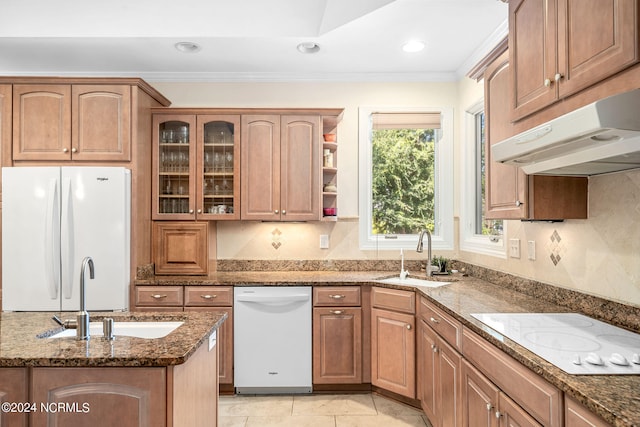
[
  {"x": 183, "y": 395},
  {"x": 337, "y": 345},
  {"x": 484, "y": 405},
  {"x": 439, "y": 379},
  {"x": 393, "y": 342},
  {"x": 225, "y": 343},
  {"x": 14, "y": 388},
  {"x": 126, "y": 397},
  {"x": 576, "y": 415}
]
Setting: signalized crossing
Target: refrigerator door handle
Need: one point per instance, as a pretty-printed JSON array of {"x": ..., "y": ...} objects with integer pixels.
[
  {"x": 68, "y": 239},
  {"x": 52, "y": 240}
]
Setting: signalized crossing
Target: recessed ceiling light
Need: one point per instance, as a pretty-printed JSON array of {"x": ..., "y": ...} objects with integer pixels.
[
  {"x": 187, "y": 47},
  {"x": 413, "y": 46},
  {"x": 308, "y": 47}
]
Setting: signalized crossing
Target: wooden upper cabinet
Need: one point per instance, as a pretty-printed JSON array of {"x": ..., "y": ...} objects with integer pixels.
[
  {"x": 72, "y": 122},
  {"x": 6, "y": 95},
  {"x": 510, "y": 194},
  {"x": 101, "y": 123},
  {"x": 505, "y": 185},
  {"x": 42, "y": 122},
  {"x": 559, "y": 47},
  {"x": 260, "y": 167},
  {"x": 300, "y": 172},
  {"x": 280, "y": 167},
  {"x": 597, "y": 38}
]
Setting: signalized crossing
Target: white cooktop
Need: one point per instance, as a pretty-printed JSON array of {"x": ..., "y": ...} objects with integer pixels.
[{"x": 575, "y": 343}]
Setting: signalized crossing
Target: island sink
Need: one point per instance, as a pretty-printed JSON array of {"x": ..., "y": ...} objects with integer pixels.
[{"x": 147, "y": 330}]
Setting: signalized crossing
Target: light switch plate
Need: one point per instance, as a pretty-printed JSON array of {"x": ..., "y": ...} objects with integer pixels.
[
  {"x": 324, "y": 241},
  {"x": 531, "y": 250},
  {"x": 514, "y": 248}
]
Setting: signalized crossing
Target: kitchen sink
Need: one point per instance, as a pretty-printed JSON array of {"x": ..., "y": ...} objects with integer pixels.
[
  {"x": 148, "y": 330},
  {"x": 412, "y": 281}
]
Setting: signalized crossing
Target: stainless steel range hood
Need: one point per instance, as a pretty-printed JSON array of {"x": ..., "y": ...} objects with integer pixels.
[{"x": 598, "y": 138}]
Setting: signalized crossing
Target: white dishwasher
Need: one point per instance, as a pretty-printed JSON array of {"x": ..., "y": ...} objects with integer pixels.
[{"x": 272, "y": 339}]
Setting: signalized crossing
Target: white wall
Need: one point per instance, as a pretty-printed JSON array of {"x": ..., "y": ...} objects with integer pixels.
[{"x": 599, "y": 256}]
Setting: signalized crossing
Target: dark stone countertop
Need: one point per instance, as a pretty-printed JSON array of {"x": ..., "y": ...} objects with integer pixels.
[
  {"x": 23, "y": 341},
  {"x": 614, "y": 397}
]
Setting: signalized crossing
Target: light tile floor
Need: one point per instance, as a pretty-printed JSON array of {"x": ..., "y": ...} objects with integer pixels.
[{"x": 323, "y": 410}]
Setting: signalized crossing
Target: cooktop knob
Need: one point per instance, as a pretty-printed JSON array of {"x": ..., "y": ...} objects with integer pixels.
[
  {"x": 618, "y": 359},
  {"x": 636, "y": 358},
  {"x": 594, "y": 359}
]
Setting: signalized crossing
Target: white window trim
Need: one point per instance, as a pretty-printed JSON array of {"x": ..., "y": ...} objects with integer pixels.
[
  {"x": 469, "y": 240},
  {"x": 444, "y": 239}
]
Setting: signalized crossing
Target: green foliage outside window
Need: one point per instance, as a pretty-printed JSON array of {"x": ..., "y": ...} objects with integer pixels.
[{"x": 403, "y": 193}]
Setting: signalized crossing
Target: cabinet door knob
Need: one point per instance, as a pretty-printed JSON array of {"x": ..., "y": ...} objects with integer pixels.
[
  {"x": 190, "y": 211},
  {"x": 284, "y": 212},
  {"x": 519, "y": 203},
  {"x": 547, "y": 82},
  {"x": 199, "y": 210},
  {"x": 65, "y": 150},
  {"x": 434, "y": 348},
  {"x": 409, "y": 327},
  {"x": 489, "y": 407},
  {"x": 336, "y": 311},
  {"x": 498, "y": 414},
  {"x": 558, "y": 77},
  {"x": 74, "y": 150},
  {"x": 276, "y": 211}
]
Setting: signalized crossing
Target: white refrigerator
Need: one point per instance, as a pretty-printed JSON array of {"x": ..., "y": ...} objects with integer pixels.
[{"x": 53, "y": 217}]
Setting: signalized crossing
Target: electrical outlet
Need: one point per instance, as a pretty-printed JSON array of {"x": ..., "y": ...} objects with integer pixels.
[
  {"x": 324, "y": 241},
  {"x": 514, "y": 248},
  {"x": 531, "y": 250}
]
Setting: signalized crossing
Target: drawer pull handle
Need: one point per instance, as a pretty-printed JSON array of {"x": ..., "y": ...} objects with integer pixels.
[
  {"x": 336, "y": 296},
  {"x": 336, "y": 311},
  {"x": 208, "y": 297},
  {"x": 158, "y": 296},
  {"x": 434, "y": 320}
]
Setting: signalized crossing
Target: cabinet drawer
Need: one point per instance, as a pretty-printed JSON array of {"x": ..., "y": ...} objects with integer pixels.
[
  {"x": 446, "y": 326},
  {"x": 539, "y": 398},
  {"x": 208, "y": 296},
  {"x": 394, "y": 299},
  {"x": 336, "y": 296},
  {"x": 159, "y": 296}
]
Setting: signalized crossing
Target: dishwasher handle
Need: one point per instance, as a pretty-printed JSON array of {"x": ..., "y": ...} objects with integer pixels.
[{"x": 272, "y": 299}]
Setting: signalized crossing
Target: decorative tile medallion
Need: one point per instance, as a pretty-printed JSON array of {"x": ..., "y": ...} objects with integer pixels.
[
  {"x": 556, "y": 247},
  {"x": 275, "y": 238}
]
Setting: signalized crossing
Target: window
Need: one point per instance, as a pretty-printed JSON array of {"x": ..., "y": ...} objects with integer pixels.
[
  {"x": 478, "y": 234},
  {"x": 406, "y": 177}
]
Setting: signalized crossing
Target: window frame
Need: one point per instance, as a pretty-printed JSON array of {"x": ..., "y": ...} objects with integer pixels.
[
  {"x": 443, "y": 239},
  {"x": 470, "y": 241}
]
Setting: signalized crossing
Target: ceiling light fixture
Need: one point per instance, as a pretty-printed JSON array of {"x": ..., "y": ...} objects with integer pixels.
[
  {"x": 413, "y": 46},
  {"x": 308, "y": 47},
  {"x": 187, "y": 47}
]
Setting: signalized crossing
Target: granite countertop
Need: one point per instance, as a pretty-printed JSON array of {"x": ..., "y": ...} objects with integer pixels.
[
  {"x": 23, "y": 341},
  {"x": 613, "y": 397}
]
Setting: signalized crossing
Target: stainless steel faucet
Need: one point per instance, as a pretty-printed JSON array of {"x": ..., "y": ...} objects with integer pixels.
[
  {"x": 82, "y": 331},
  {"x": 427, "y": 269}
]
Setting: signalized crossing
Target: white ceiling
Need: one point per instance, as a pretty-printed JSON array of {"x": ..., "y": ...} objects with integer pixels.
[{"x": 248, "y": 40}]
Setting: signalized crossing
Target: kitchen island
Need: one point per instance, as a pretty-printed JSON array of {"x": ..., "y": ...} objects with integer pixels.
[
  {"x": 611, "y": 397},
  {"x": 128, "y": 381}
]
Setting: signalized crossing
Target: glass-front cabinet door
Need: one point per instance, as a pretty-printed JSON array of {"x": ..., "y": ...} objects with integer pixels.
[
  {"x": 218, "y": 188},
  {"x": 174, "y": 160}
]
